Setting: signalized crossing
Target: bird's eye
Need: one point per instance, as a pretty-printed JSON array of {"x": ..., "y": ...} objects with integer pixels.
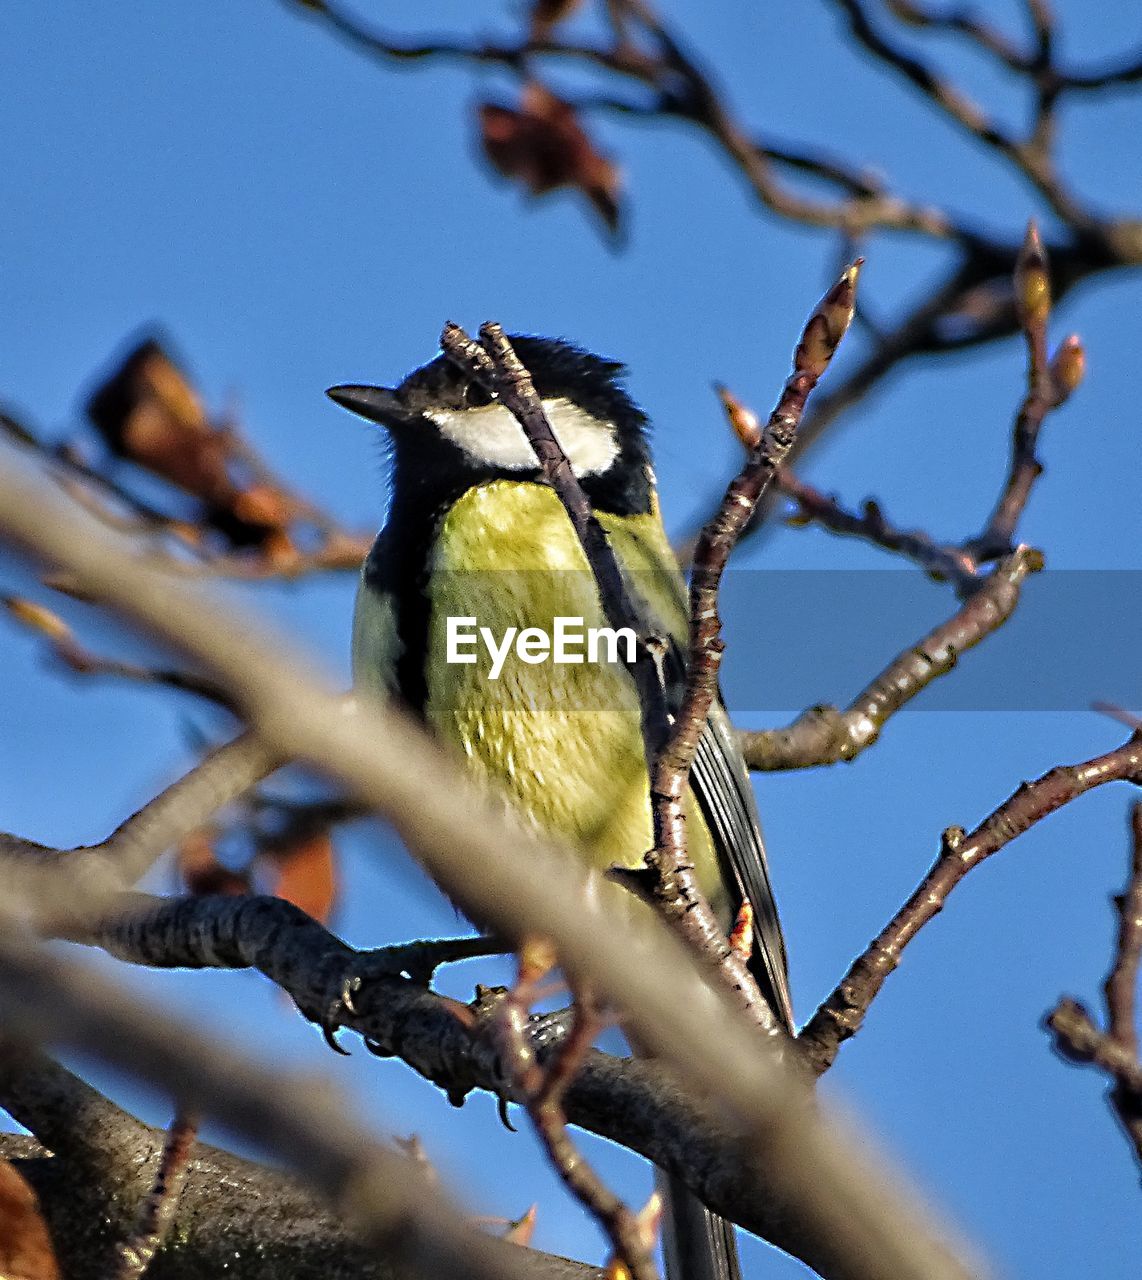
[{"x": 475, "y": 396}]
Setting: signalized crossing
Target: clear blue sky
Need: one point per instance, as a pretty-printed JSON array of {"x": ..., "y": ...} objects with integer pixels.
[{"x": 295, "y": 216}]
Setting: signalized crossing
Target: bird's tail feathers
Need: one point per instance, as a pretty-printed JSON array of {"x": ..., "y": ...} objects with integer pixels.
[{"x": 697, "y": 1244}]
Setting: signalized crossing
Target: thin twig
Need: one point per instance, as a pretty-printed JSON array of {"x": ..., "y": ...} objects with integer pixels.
[
  {"x": 1115, "y": 1050},
  {"x": 182, "y": 545},
  {"x": 1078, "y": 1038},
  {"x": 684, "y": 91},
  {"x": 82, "y": 661},
  {"x": 964, "y": 23},
  {"x": 496, "y": 366},
  {"x": 543, "y": 1089},
  {"x": 841, "y": 1014},
  {"x": 95, "y": 874},
  {"x": 825, "y": 735},
  {"x": 157, "y": 1216},
  {"x": 1030, "y": 156},
  {"x": 1121, "y": 987},
  {"x": 675, "y": 891},
  {"x": 941, "y": 561},
  {"x": 1048, "y": 386}
]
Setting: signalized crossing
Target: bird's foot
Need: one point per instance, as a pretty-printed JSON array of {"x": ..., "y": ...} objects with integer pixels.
[{"x": 415, "y": 962}]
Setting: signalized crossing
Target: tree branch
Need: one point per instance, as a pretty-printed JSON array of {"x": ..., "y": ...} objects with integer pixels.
[
  {"x": 841, "y": 1015},
  {"x": 159, "y": 1209},
  {"x": 824, "y": 735},
  {"x": 55, "y": 884},
  {"x": 234, "y": 1217},
  {"x": 1049, "y": 384},
  {"x": 943, "y": 562},
  {"x": 1115, "y": 1050},
  {"x": 502, "y": 876},
  {"x": 636, "y": 1103},
  {"x": 380, "y": 1194},
  {"x": 675, "y": 893}
]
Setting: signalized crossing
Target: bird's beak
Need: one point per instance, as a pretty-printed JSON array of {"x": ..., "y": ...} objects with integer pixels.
[{"x": 378, "y": 404}]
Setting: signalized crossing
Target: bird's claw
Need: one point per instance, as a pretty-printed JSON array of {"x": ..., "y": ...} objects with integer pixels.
[{"x": 336, "y": 1009}]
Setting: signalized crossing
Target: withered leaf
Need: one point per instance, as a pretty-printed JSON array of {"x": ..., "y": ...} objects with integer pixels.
[
  {"x": 543, "y": 145},
  {"x": 147, "y": 411},
  {"x": 26, "y": 1251},
  {"x": 307, "y": 875}
]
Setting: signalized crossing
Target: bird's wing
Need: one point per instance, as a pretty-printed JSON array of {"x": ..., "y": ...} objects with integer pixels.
[
  {"x": 376, "y": 641},
  {"x": 724, "y": 793}
]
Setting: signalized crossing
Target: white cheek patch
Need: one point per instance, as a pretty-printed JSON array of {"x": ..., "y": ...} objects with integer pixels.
[{"x": 489, "y": 434}]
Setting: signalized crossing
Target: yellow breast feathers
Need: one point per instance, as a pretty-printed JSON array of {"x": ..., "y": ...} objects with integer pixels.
[{"x": 562, "y": 736}]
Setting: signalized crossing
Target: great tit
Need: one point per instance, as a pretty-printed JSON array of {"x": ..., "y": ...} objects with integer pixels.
[{"x": 474, "y": 535}]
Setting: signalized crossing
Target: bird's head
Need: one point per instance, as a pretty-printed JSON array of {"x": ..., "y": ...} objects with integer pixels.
[{"x": 443, "y": 423}]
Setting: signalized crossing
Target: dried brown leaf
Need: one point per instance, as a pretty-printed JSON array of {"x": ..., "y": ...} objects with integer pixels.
[
  {"x": 307, "y": 875},
  {"x": 148, "y": 411},
  {"x": 26, "y": 1251},
  {"x": 543, "y": 145}
]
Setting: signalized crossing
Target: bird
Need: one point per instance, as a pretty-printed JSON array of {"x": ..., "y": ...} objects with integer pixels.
[{"x": 474, "y": 533}]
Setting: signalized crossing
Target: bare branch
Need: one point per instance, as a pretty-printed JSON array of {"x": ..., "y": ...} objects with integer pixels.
[
  {"x": 232, "y": 1214},
  {"x": 1124, "y": 73},
  {"x": 633, "y": 1102},
  {"x": 96, "y": 874},
  {"x": 497, "y": 367},
  {"x": 1049, "y": 383},
  {"x": 379, "y": 1192},
  {"x": 95, "y": 1137},
  {"x": 964, "y": 23},
  {"x": 184, "y": 546},
  {"x": 676, "y": 893},
  {"x": 67, "y": 649},
  {"x": 825, "y": 735},
  {"x": 1115, "y": 1050},
  {"x": 1030, "y": 156},
  {"x": 841, "y": 1015},
  {"x": 544, "y": 1087},
  {"x": 941, "y": 561},
  {"x": 1078, "y": 1038},
  {"x": 1121, "y": 987},
  {"x": 683, "y": 90}
]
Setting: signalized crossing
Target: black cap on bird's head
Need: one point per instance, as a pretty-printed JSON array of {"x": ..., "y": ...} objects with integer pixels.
[{"x": 440, "y": 419}]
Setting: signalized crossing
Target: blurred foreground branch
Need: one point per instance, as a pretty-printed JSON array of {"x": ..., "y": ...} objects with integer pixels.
[{"x": 504, "y": 878}]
